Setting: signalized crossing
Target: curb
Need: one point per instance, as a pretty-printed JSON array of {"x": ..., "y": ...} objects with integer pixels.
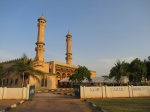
[
  {"x": 69, "y": 94},
  {"x": 52, "y": 90},
  {"x": 97, "y": 108},
  {"x": 12, "y": 106}
]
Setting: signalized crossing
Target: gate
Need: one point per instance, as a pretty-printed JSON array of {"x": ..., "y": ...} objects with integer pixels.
[
  {"x": 31, "y": 91},
  {"x": 77, "y": 90}
]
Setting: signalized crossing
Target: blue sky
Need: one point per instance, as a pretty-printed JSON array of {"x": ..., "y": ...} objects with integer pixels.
[{"x": 103, "y": 31}]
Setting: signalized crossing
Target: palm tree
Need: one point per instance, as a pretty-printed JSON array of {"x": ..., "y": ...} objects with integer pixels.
[
  {"x": 1, "y": 73},
  {"x": 26, "y": 67},
  {"x": 120, "y": 69},
  {"x": 106, "y": 77}
]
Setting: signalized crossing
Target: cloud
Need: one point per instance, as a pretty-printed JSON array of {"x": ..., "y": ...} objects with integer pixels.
[
  {"x": 104, "y": 65},
  {"x": 112, "y": 61}
]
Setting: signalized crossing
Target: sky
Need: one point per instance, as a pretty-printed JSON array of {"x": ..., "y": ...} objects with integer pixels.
[{"x": 103, "y": 31}]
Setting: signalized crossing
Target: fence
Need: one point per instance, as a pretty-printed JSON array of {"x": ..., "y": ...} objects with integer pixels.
[
  {"x": 114, "y": 91},
  {"x": 16, "y": 93}
]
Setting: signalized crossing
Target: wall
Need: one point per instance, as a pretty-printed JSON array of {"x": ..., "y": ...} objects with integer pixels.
[
  {"x": 114, "y": 91},
  {"x": 14, "y": 93},
  {"x": 51, "y": 82}
]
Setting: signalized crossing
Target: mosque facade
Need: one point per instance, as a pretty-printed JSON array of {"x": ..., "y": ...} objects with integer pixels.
[{"x": 54, "y": 71}]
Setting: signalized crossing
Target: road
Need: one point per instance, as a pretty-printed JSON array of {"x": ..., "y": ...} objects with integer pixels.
[{"x": 48, "y": 102}]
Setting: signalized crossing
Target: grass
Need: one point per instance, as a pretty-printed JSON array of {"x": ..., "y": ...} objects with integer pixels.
[{"x": 123, "y": 104}]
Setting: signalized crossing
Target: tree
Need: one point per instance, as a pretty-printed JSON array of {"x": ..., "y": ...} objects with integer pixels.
[
  {"x": 138, "y": 70},
  {"x": 147, "y": 63},
  {"x": 81, "y": 74},
  {"x": 106, "y": 77},
  {"x": 26, "y": 67},
  {"x": 120, "y": 69},
  {"x": 2, "y": 70}
]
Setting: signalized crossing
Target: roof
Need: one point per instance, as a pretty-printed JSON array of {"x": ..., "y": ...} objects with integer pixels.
[
  {"x": 65, "y": 80},
  {"x": 94, "y": 80},
  {"x": 42, "y": 18}
]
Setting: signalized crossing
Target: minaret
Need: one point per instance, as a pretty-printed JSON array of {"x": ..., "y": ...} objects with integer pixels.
[
  {"x": 69, "y": 49},
  {"x": 40, "y": 40}
]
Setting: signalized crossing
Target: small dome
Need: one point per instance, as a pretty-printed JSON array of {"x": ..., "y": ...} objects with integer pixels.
[
  {"x": 42, "y": 18},
  {"x": 68, "y": 34}
]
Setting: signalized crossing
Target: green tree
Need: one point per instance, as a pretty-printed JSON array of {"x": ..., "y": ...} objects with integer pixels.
[
  {"x": 26, "y": 67},
  {"x": 81, "y": 74},
  {"x": 147, "y": 63},
  {"x": 138, "y": 70},
  {"x": 1, "y": 71},
  {"x": 106, "y": 77},
  {"x": 120, "y": 69}
]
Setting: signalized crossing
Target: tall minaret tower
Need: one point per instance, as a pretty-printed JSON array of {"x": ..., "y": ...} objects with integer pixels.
[
  {"x": 69, "y": 49},
  {"x": 40, "y": 40}
]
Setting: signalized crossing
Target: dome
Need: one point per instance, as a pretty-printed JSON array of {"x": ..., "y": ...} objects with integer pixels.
[
  {"x": 68, "y": 34},
  {"x": 42, "y": 18}
]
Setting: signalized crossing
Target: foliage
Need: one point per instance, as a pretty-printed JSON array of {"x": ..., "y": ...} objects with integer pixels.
[
  {"x": 81, "y": 74},
  {"x": 120, "y": 69},
  {"x": 1, "y": 71},
  {"x": 147, "y": 63},
  {"x": 27, "y": 67},
  {"x": 138, "y": 70},
  {"x": 106, "y": 77}
]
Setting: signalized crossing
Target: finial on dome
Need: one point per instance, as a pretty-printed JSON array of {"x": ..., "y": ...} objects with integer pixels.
[
  {"x": 68, "y": 34},
  {"x": 42, "y": 17}
]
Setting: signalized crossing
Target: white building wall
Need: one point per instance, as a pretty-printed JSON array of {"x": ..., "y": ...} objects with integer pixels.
[
  {"x": 14, "y": 93},
  {"x": 117, "y": 91},
  {"x": 114, "y": 91},
  {"x": 140, "y": 91},
  {"x": 91, "y": 92}
]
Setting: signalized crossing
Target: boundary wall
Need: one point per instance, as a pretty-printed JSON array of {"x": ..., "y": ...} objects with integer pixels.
[
  {"x": 114, "y": 91},
  {"x": 14, "y": 93}
]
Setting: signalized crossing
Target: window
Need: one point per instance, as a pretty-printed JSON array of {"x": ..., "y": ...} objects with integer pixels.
[
  {"x": 58, "y": 75},
  {"x": 11, "y": 82},
  {"x": 44, "y": 82},
  {"x": 63, "y": 75},
  {"x": 7, "y": 81},
  {"x": 16, "y": 81},
  {"x": 68, "y": 75}
]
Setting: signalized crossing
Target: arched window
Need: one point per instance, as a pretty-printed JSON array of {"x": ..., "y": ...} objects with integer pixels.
[
  {"x": 7, "y": 81},
  {"x": 68, "y": 75},
  {"x": 44, "y": 82},
  {"x": 58, "y": 75},
  {"x": 63, "y": 75},
  {"x": 16, "y": 81},
  {"x": 11, "y": 82}
]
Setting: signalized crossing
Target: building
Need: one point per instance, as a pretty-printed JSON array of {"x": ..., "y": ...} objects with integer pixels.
[{"x": 55, "y": 71}]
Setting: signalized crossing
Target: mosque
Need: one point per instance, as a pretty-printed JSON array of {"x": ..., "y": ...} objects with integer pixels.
[{"x": 54, "y": 71}]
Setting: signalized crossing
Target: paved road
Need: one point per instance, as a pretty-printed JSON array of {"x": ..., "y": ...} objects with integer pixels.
[{"x": 48, "y": 102}]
